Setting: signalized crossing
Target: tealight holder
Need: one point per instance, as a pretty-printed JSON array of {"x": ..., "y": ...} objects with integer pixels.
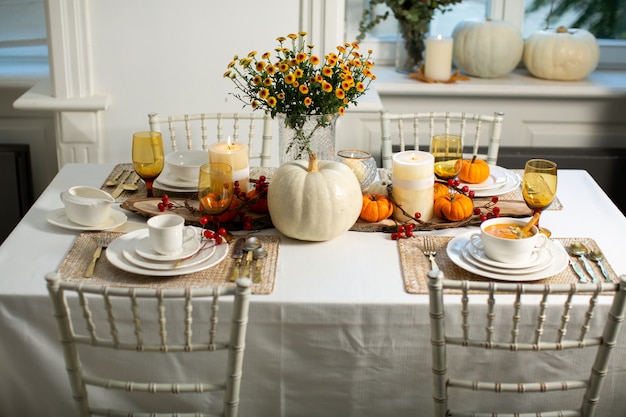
[{"x": 361, "y": 163}]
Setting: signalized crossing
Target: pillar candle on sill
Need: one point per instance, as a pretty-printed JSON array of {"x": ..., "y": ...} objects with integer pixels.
[
  {"x": 438, "y": 61},
  {"x": 235, "y": 155},
  {"x": 413, "y": 179}
]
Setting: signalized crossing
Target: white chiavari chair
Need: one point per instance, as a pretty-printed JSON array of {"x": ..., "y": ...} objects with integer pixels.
[
  {"x": 410, "y": 130},
  {"x": 500, "y": 324},
  {"x": 200, "y": 130},
  {"x": 96, "y": 323}
]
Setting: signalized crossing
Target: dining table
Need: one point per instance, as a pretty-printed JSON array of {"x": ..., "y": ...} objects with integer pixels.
[{"x": 340, "y": 329}]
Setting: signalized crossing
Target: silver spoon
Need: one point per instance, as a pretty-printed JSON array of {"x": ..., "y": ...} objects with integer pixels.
[
  {"x": 249, "y": 246},
  {"x": 580, "y": 250},
  {"x": 597, "y": 256},
  {"x": 259, "y": 253},
  {"x": 132, "y": 186}
]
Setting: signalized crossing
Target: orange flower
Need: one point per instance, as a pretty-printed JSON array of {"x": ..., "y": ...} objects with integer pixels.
[{"x": 339, "y": 93}]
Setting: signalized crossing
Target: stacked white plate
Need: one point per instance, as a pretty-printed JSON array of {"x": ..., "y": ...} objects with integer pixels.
[
  {"x": 132, "y": 252},
  {"x": 500, "y": 181},
  {"x": 543, "y": 263},
  {"x": 170, "y": 182}
]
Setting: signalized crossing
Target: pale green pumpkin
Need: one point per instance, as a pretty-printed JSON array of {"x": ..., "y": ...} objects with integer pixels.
[
  {"x": 487, "y": 49},
  {"x": 314, "y": 200},
  {"x": 561, "y": 54}
]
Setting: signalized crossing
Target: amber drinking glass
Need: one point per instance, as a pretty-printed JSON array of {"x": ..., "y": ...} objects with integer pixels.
[
  {"x": 215, "y": 189},
  {"x": 148, "y": 159},
  {"x": 539, "y": 186},
  {"x": 448, "y": 152}
]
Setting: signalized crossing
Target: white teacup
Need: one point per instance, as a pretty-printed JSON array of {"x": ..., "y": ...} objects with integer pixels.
[
  {"x": 507, "y": 250},
  {"x": 168, "y": 233}
]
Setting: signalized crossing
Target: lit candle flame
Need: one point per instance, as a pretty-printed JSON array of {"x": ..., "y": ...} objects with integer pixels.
[{"x": 229, "y": 143}]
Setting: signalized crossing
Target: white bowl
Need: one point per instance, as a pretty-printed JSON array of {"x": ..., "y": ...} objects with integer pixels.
[
  {"x": 186, "y": 164},
  {"x": 87, "y": 206}
]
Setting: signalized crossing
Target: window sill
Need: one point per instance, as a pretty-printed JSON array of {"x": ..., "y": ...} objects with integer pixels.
[{"x": 599, "y": 84}]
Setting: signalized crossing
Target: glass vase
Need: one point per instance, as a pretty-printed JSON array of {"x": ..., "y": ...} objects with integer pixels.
[
  {"x": 300, "y": 135},
  {"x": 410, "y": 48}
]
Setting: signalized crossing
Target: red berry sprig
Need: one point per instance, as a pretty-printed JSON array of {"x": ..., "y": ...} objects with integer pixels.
[
  {"x": 404, "y": 231},
  {"x": 489, "y": 210},
  {"x": 165, "y": 204},
  {"x": 210, "y": 234}
]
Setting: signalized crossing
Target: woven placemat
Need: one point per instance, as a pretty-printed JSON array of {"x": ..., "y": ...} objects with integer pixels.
[
  {"x": 105, "y": 274},
  {"x": 415, "y": 265}
]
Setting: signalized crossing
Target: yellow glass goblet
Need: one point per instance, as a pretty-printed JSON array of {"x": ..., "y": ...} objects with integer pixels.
[
  {"x": 448, "y": 152},
  {"x": 215, "y": 189},
  {"x": 148, "y": 159},
  {"x": 539, "y": 186}
]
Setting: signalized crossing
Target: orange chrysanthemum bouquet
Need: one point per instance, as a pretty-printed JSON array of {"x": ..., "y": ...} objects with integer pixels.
[{"x": 297, "y": 83}]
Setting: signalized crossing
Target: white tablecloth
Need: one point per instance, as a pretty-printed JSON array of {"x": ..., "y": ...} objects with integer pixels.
[{"x": 338, "y": 336}]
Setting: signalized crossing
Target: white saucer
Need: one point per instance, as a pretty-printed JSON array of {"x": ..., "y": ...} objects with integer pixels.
[
  {"x": 512, "y": 182},
  {"x": 115, "y": 255},
  {"x": 497, "y": 178},
  {"x": 59, "y": 218},
  {"x": 545, "y": 260},
  {"x": 134, "y": 258},
  {"x": 559, "y": 262},
  {"x": 537, "y": 257},
  {"x": 143, "y": 247}
]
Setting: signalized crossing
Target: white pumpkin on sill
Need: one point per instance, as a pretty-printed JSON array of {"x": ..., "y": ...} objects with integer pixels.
[
  {"x": 561, "y": 54},
  {"x": 487, "y": 49}
]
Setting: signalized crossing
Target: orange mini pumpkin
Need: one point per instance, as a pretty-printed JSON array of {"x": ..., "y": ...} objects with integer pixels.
[
  {"x": 440, "y": 190},
  {"x": 453, "y": 207},
  {"x": 376, "y": 207},
  {"x": 474, "y": 171}
]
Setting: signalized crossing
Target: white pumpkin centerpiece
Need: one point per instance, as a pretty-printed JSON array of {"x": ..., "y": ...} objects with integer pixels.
[
  {"x": 314, "y": 200},
  {"x": 487, "y": 49},
  {"x": 561, "y": 54}
]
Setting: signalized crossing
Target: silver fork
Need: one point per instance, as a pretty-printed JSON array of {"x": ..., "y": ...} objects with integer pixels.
[
  {"x": 102, "y": 240},
  {"x": 429, "y": 250}
]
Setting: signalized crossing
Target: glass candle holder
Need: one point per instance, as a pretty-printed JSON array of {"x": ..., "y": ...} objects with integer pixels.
[{"x": 361, "y": 163}]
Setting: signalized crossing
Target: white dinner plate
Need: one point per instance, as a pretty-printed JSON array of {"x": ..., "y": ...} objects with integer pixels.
[
  {"x": 59, "y": 218},
  {"x": 544, "y": 257},
  {"x": 497, "y": 178},
  {"x": 115, "y": 255},
  {"x": 143, "y": 247},
  {"x": 538, "y": 256},
  {"x": 559, "y": 261},
  {"x": 512, "y": 182},
  {"x": 136, "y": 259}
]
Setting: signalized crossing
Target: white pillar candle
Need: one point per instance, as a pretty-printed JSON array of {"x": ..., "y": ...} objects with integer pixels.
[
  {"x": 438, "y": 61},
  {"x": 235, "y": 155},
  {"x": 413, "y": 180}
]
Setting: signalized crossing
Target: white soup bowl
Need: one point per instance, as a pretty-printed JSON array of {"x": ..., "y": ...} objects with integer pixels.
[
  {"x": 87, "y": 206},
  {"x": 186, "y": 164}
]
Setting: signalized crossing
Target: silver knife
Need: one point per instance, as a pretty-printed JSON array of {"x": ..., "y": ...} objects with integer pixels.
[
  {"x": 237, "y": 256},
  {"x": 120, "y": 187}
]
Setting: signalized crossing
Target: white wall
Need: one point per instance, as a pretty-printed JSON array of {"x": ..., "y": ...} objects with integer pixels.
[{"x": 170, "y": 57}]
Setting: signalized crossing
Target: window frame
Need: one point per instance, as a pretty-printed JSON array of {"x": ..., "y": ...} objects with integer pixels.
[{"x": 612, "y": 51}]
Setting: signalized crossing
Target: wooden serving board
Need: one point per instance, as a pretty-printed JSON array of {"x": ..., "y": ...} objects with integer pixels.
[{"x": 189, "y": 209}]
